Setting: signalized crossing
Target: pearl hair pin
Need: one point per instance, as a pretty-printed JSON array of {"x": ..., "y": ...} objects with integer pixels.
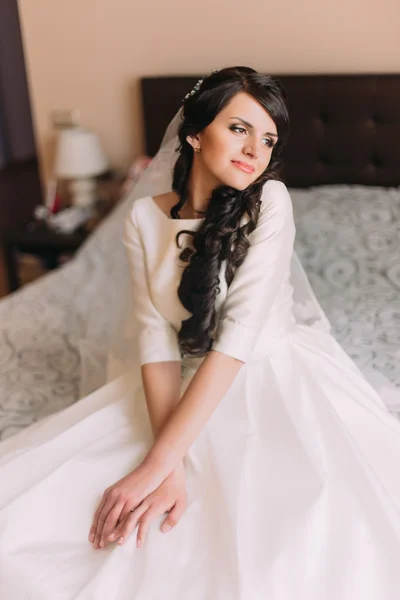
[
  {"x": 197, "y": 86},
  {"x": 195, "y": 89}
]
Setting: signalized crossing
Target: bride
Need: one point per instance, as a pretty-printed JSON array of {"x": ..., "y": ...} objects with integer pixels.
[{"x": 252, "y": 438}]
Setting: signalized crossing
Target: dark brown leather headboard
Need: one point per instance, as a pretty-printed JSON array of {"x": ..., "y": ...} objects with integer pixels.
[{"x": 344, "y": 128}]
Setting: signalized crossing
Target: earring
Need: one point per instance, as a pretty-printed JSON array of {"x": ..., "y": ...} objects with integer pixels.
[{"x": 197, "y": 150}]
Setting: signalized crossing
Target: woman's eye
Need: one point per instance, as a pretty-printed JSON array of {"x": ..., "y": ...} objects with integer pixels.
[
  {"x": 238, "y": 128},
  {"x": 269, "y": 143}
]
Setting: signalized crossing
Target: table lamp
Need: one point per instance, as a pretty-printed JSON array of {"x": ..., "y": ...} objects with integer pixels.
[{"x": 79, "y": 157}]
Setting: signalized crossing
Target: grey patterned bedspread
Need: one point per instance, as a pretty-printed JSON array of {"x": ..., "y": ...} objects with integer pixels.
[{"x": 348, "y": 240}]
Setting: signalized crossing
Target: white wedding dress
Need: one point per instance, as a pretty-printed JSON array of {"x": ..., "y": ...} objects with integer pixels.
[{"x": 294, "y": 483}]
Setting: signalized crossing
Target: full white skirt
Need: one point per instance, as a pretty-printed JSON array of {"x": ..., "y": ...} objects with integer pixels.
[{"x": 294, "y": 491}]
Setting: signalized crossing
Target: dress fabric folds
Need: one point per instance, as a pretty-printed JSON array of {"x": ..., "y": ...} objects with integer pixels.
[{"x": 293, "y": 484}]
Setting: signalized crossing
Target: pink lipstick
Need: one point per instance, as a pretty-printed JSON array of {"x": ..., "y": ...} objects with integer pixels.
[{"x": 243, "y": 166}]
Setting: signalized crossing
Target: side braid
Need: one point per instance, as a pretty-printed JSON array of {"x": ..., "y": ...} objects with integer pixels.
[{"x": 220, "y": 237}]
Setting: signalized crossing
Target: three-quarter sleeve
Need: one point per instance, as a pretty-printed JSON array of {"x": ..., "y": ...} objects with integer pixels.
[
  {"x": 257, "y": 281},
  {"x": 158, "y": 340}
]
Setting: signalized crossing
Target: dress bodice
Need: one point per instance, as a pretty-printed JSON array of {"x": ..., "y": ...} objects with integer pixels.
[
  {"x": 165, "y": 267},
  {"x": 256, "y": 308}
]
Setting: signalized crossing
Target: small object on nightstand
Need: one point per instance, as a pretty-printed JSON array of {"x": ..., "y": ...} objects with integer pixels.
[
  {"x": 41, "y": 212},
  {"x": 68, "y": 220}
]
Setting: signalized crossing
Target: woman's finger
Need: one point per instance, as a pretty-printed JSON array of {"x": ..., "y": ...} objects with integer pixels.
[
  {"x": 174, "y": 516},
  {"x": 133, "y": 516},
  {"x": 144, "y": 523},
  {"x": 102, "y": 518},
  {"x": 93, "y": 528},
  {"x": 130, "y": 508},
  {"x": 116, "y": 534},
  {"x": 126, "y": 527},
  {"x": 111, "y": 522}
]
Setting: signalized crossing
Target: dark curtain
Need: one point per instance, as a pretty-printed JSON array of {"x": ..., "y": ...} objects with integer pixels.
[
  {"x": 4, "y": 155},
  {"x": 16, "y": 131}
]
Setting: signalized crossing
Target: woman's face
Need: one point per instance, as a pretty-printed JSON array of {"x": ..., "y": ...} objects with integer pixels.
[{"x": 236, "y": 147}]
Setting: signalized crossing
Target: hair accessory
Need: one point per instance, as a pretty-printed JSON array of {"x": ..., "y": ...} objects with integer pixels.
[
  {"x": 197, "y": 86},
  {"x": 195, "y": 89}
]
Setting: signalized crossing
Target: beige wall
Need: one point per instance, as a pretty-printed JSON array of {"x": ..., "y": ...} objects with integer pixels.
[{"x": 89, "y": 54}]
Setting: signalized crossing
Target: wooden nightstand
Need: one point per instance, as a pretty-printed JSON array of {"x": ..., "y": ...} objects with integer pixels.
[{"x": 37, "y": 239}]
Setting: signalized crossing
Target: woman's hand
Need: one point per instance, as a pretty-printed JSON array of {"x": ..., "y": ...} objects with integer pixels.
[
  {"x": 170, "y": 496},
  {"x": 119, "y": 499}
]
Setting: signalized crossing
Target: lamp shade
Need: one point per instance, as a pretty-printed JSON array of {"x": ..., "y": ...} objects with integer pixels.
[{"x": 79, "y": 154}]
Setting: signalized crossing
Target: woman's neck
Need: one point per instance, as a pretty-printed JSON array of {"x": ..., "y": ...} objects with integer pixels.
[{"x": 200, "y": 188}]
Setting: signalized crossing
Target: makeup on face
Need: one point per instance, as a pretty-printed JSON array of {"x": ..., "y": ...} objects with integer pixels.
[
  {"x": 251, "y": 127},
  {"x": 237, "y": 145},
  {"x": 243, "y": 166}
]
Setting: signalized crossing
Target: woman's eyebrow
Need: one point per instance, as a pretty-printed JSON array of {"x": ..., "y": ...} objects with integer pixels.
[{"x": 251, "y": 126}]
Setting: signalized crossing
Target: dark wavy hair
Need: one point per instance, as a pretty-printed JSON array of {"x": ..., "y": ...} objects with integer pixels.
[{"x": 220, "y": 236}]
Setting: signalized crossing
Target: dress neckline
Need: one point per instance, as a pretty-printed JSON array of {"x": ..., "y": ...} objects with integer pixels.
[{"x": 175, "y": 220}]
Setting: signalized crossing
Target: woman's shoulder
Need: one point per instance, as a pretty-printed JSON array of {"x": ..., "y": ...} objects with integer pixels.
[
  {"x": 139, "y": 219},
  {"x": 276, "y": 210},
  {"x": 275, "y": 196},
  {"x": 274, "y": 188},
  {"x": 139, "y": 206},
  {"x": 151, "y": 206}
]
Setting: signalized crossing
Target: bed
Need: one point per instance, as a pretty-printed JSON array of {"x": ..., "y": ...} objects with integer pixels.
[{"x": 342, "y": 167}]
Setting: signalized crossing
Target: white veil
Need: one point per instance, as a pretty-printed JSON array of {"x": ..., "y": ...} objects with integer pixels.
[{"x": 157, "y": 179}]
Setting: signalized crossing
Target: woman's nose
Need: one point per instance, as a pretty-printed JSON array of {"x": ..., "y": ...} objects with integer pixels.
[{"x": 251, "y": 149}]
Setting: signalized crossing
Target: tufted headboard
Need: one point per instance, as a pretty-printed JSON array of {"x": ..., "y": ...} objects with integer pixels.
[{"x": 344, "y": 128}]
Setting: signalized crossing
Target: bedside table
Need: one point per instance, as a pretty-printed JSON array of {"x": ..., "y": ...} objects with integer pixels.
[
  {"x": 48, "y": 245},
  {"x": 41, "y": 241}
]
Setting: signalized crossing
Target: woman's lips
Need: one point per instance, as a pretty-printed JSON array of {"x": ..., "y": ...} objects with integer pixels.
[{"x": 243, "y": 166}]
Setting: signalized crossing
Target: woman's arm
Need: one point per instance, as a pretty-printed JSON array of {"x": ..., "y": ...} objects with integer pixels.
[
  {"x": 207, "y": 388},
  {"x": 157, "y": 339},
  {"x": 159, "y": 354},
  {"x": 161, "y": 382},
  {"x": 249, "y": 299},
  {"x": 162, "y": 386},
  {"x": 160, "y": 362},
  {"x": 246, "y": 307}
]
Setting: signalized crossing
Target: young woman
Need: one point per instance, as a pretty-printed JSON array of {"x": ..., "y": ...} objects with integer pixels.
[{"x": 276, "y": 461}]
